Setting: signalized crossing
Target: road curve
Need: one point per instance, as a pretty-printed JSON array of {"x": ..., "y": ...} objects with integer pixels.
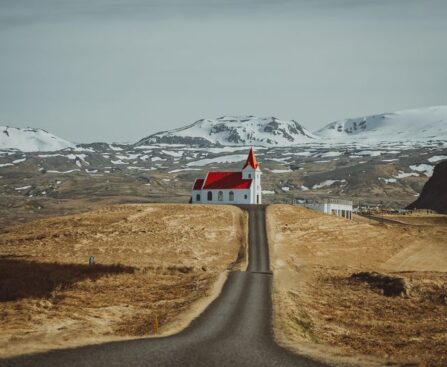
[{"x": 235, "y": 330}]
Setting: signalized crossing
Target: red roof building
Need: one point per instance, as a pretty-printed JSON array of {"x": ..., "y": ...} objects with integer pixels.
[
  {"x": 243, "y": 187},
  {"x": 198, "y": 184}
]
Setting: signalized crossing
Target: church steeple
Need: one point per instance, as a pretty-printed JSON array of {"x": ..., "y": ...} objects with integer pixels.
[{"x": 251, "y": 160}]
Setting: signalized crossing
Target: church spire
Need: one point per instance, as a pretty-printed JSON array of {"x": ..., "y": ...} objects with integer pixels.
[{"x": 251, "y": 160}]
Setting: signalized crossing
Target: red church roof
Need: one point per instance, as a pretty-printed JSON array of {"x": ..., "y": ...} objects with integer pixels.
[
  {"x": 225, "y": 180},
  {"x": 198, "y": 184},
  {"x": 251, "y": 160}
]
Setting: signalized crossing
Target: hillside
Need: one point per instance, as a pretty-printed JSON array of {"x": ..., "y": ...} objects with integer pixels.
[
  {"x": 423, "y": 124},
  {"x": 36, "y": 184},
  {"x": 357, "y": 292},
  {"x": 434, "y": 193},
  {"x": 236, "y": 131},
  {"x": 39, "y": 184},
  {"x": 164, "y": 260},
  {"x": 30, "y": 140}
]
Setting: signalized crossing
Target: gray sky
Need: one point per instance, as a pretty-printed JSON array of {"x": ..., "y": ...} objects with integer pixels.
[{"x": 96, "y": 70}]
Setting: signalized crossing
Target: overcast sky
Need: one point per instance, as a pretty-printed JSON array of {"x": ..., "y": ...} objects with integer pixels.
[{"x": 97, "y": 70}]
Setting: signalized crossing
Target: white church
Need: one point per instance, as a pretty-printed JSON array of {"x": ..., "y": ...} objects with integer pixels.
[{"x": 242, "y": 187}]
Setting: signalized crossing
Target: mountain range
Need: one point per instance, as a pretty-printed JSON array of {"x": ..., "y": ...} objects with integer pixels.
[{"x": 417, "y": 125}]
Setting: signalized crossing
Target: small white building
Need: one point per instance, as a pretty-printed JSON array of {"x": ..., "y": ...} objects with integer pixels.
[
  {"x": 240, "y": 187},
  {"x": 340, "y": 208}
]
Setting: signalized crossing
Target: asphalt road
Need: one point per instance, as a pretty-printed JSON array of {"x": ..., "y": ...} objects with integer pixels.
[{"x": 235, "y": 330}]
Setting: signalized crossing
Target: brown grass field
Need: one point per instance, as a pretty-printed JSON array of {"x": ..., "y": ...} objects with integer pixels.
[
  {"x": 165, "y": 261},
  {"x": 346, "y": 289}
]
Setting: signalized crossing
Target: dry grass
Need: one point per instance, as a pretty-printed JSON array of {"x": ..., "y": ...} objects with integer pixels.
[
  {"x": 151, "y": 260},
  {"x": 420, "y": 219},
  {"x": 344, "y": 290},
  {"x": 29, "y": 279}
]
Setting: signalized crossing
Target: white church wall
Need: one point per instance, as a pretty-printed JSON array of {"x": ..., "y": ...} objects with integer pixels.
[
  {"x": 240, "y": 197},
  {"x": 256, "y": 191}
]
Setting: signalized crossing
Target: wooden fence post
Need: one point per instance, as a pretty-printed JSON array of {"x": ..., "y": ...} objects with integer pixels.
[{"x": 155, "y": 324}]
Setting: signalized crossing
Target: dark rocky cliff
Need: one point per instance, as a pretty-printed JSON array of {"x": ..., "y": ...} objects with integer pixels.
[{"x": 434, "y": 193}]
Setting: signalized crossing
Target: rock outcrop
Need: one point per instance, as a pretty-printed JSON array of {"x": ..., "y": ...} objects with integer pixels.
[{"x": 434, "y": 193}]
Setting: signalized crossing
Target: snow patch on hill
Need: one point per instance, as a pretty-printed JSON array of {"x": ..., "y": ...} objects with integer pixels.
[
  {"x": 437, "y": 158},
  {"x": 30, "y": 140},
  {"x": 222, "y": 159},
  {"x": 427, "y": 169}
]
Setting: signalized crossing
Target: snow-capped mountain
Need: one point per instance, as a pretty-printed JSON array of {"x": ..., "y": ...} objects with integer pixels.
[
  {"x": 421, "y": 124},
  {"x": 30, "y": 140},
  {"x": 235, "y": 130}
]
